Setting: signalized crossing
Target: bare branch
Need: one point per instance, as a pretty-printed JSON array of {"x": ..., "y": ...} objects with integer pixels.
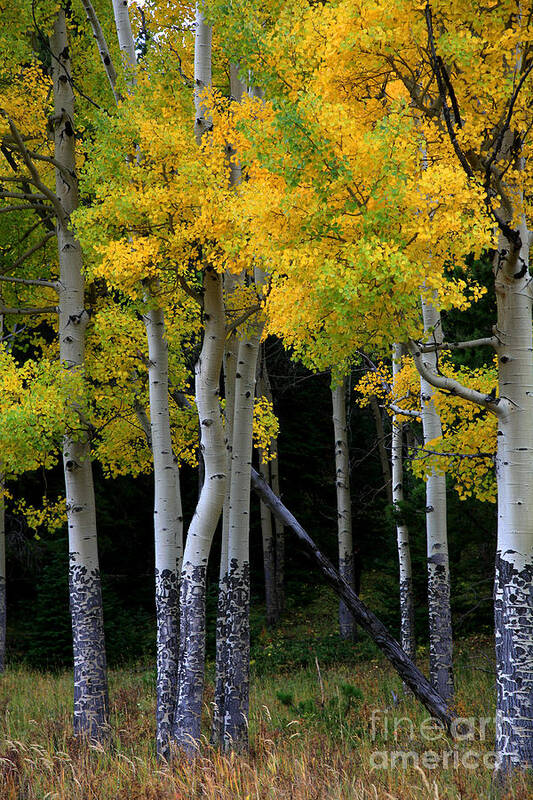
[
  {"x": 189, "y": 290},
  {"x": 243, "y": 317},
  {"x": 405, "y": 412},
  {"x": 30, "y": 281},
  {"x": 25, "y": 207},
  {"x": 31, "y": 250},
  {"x": 32, "y": 312},
  {"x": 431, "y": 347},
  {"x": 33, "y": 171},
  {"x": 452, "y": 386}
]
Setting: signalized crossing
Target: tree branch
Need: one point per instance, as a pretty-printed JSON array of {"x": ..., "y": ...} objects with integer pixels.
[
  {"x": 452, "y": 386},
  {"x": 33, "y": 312},
  {"x": 442, "y": 92},
  {"x": 405, "y": 412},
  {"x": 30, "y": 281},
  {"x": 33, "y": 171},
  {"x": 432, "y": 347},
  {"x": 31, "y": 250},
  {"x": 243, "y": 317},
  {"x": 102, "y": 46}
]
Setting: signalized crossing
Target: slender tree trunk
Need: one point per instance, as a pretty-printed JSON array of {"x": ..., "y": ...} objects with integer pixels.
[
  {"x": 238, "y": 629},
  {"x": 440, "y": 619},
  {"x": 269, "y": 550},
  {"x": 186, "y": 730},
  {"x": 402, "y": 531},
  {"x": 513, "y": 589},
  {"x": 168, "y": 529},
  {"x": 279, "y": 547},
  {"x": 230, "y": 365},
  {"x": 405, "y": 668},
  {"x": 90, "y": 679},
  {"x": 383, "y": 458},
  {"x": 280, "y": 529},
  {"x": 168, "y": 518},
  {"x": 347, "y": 624}
]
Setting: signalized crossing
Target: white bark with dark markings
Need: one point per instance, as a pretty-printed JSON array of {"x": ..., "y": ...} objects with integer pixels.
[{"x": 91, "y": 707}]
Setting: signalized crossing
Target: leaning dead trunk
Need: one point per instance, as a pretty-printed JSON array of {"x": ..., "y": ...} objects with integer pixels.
[
  {"x": 344, "y": 504},
  {"x": 90, "y": 679},
  {"x": 405, "y": 668},
  {"x": 440, "y": 619},
  {"x": 402, "y": 532},
  {"x": 186, "y": 728}
]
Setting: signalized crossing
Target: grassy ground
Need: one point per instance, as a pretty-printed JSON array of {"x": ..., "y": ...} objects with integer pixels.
[{"x": 326, "y": 733}]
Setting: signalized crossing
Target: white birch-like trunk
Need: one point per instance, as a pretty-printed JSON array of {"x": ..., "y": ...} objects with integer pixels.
[
  {"x": 407, "y": 621},
  {"x": 168, "y": 529},
  {"x": 186, "y": 728},
  {"x": 236, "y": 702},
  {"x": 168, "y": 518},
  {"x": 230, "y": 365},
  {"x": 513, "y": 590},
  {"x": 202, "y": 72},
  {"x": 90, "y": 678},
  {"x": 440, "y": 621},
  {"x": 347, "y": 624}
]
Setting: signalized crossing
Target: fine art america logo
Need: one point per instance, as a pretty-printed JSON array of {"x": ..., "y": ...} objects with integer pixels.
[{"x": 393, "y": 730}]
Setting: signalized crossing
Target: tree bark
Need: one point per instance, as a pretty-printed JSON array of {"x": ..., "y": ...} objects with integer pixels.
[
  {"x": 513, "y": 588},
  {"x": 405, "y": 668},
  {"x": 407, "y": 620},
  {"x": 90, "y": 678},
  {"x": 168, "y": 529},
  {"x": 186, "y": 728},
  {"x": 230, "y": 365},
  {"x": 236, "y": 701},
  {"x": 348, "y": 629},
  {"x": 168, "y": 518},
  {"x": 440, "y": 620}
]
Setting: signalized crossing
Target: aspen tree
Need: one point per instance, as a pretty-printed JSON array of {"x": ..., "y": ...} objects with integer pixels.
[
  {"x": 91, "y": 706},
  {"x": 407, "y": 622},
  {"x": 186, "y": 729},
  {"x": 347, "y": 625}
]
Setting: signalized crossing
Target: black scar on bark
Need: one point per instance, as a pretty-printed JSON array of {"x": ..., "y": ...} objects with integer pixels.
[
  {"x": 236, "y": 701},
  {"x": 513, "y": 612},
  {"x": 167, "y": 611},
  {"x": 91, "y": 702},
  {"x": 188, "y": 712}
]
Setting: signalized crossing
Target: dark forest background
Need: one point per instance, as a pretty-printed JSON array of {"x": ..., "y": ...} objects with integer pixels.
[{"x": 38, "y": 617}]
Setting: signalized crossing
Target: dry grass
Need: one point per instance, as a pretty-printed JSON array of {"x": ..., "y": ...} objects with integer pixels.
[{"x": 303, "y": 746}]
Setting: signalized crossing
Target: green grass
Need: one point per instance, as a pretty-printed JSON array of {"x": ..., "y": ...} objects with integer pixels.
[{"x": 311, "y": 736}]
